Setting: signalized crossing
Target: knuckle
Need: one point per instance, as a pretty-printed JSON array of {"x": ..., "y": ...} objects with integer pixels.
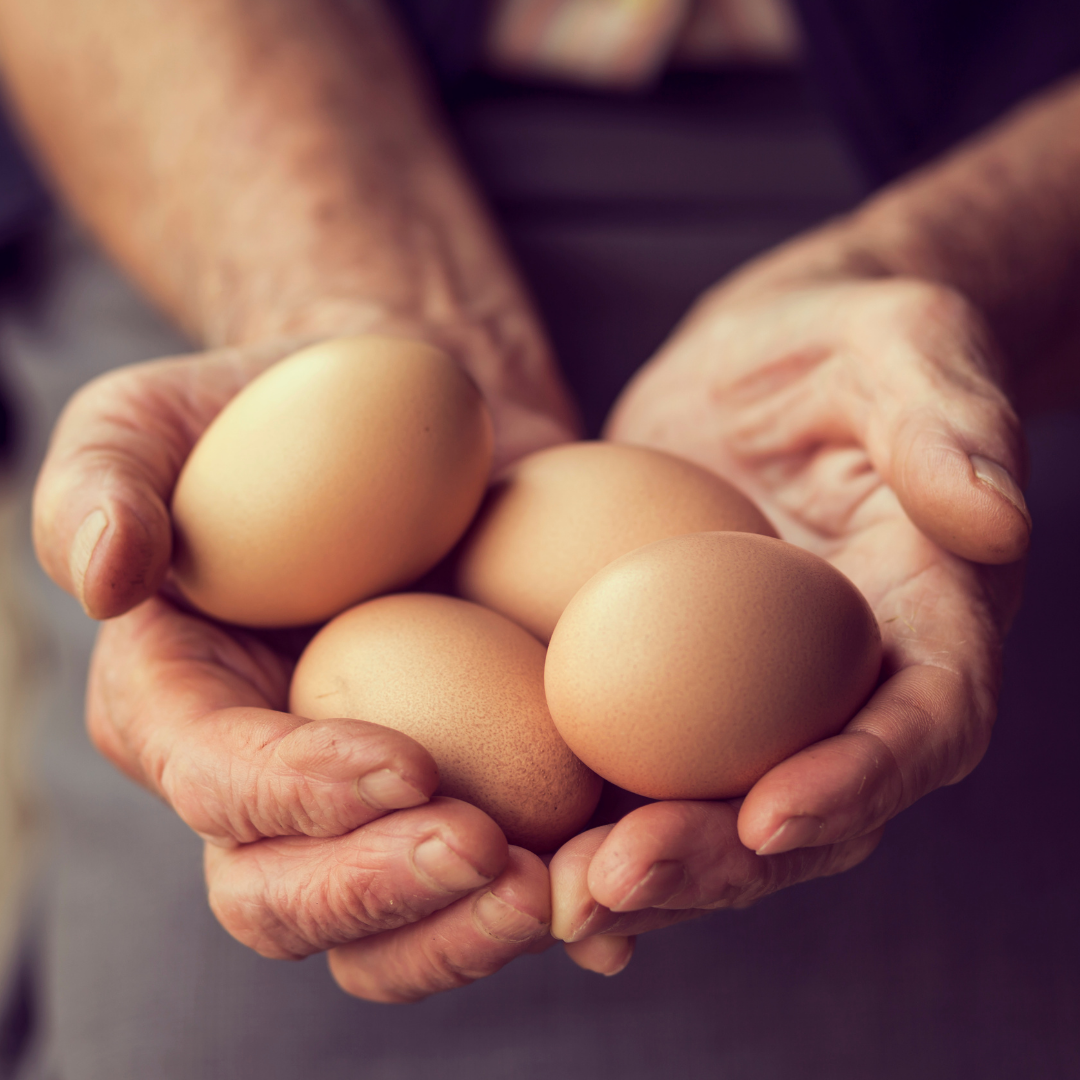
[
  {"x": 356, "y": 981},
  {"x": 769, "y": 875},
  {"x": 337, "y": 902},
  {"x": 435, "y": 969},
  {"x": 194, "y": 798},
  {"x": 409, "y": 969},
  {"x": 298, "y": 909},
  {"x": 738, "y": 879},
  {"x": 357, "y": 977},
  {"x": 370, "y": 903},
  {"x": 228, "y": 794},
  {"x": 313, "y": 908},
  {"x": 915, "y": 302},
  {"x": 317, "y": 747},
  {"x": 931, "y": 735},
  {"x": 251, "y": 920},
  {"x": 880, "y": 786}
]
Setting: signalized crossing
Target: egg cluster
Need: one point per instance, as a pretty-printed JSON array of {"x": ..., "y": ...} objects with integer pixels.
[{"x": 619, "y": 612}]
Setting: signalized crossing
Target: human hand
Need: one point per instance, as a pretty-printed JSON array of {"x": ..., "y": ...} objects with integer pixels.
[
  {"x": 302, "y": 853},
  {"x": 101, "y": 520},
  {"x": 864, "y": 417}
]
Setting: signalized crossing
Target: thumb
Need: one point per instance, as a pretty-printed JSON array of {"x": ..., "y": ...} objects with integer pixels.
[
  {"x": 102, "y": 528},
  {"x": 958, "y": 483},
  {"x": 101, "y": 524},
  {"x": 938, "y": 428}
]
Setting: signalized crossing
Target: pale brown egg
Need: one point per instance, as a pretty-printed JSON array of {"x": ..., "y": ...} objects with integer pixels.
[
  {"x": 468, "y": 685},
  {"x": 688, "y": 668},
  {"x": 344, "y": 471},
  {"x": 559, "y": 515}
]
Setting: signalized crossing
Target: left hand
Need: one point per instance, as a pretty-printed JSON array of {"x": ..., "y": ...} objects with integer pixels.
[{"x": 863, "y": 417}]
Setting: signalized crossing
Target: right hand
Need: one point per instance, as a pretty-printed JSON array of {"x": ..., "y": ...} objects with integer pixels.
[{"x": 320, "y": 835}]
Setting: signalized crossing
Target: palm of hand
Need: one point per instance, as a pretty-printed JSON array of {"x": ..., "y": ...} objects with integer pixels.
[
  {"x": 812, "y": 403},
  {"x": 302, "y": 853},
  {"x": 848, "y": 411}
]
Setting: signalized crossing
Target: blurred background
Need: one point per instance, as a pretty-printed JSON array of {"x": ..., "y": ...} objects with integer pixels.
[
  {"x": 954, "y": 951},
  {"x": 13, "y": 689},
  {"x": 17, "y": 669}
]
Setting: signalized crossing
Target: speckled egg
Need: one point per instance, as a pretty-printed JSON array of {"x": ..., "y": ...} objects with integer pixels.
[
  {"x": 344, "y": 471},
  {"x": 468, "y": 685},
  {"x": 690, "y": 667},
  {"x": 559, "y": 515}
]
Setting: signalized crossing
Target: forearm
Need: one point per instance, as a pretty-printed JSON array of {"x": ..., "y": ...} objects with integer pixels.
[
  {"x": 997, "y": 219},
  {"x": 260, "y": 169}
]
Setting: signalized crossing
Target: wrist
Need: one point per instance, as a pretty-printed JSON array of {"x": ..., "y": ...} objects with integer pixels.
[
  {"x": 502, "y": 347},
  {"x": 995, "y": 221}
]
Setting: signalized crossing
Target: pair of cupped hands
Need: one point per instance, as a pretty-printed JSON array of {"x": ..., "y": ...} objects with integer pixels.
[{"x": 862, "y": 414}]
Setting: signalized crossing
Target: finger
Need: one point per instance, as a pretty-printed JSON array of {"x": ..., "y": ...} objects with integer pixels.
[
  {"x": 923, "y": 728},
  {"x": 574, "y": 910},
  {"x": 289, "y": 897},
  {"x": 938, "y": 429},
  {"x": 966, "y": 501},
  {"x": 101, "y": 520},
  {"x": 455, "y": 946},
  {"x": 687, "y": 855},
  {"x": 606, "y": 954},
  {"x": 196, "y": 715},
  {"x": 671, "y": 861}
]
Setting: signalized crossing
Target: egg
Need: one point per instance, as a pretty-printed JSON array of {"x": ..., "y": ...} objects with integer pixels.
[
  {"x": 559, "y": 515},
  {"x": 468, "y": 685},
  {"x": 346, "y": 470},
  {"x": 690, "y": 667}
]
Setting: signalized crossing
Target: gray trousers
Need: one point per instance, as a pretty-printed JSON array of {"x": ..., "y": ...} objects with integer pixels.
[{"x": 953, "y": 952}]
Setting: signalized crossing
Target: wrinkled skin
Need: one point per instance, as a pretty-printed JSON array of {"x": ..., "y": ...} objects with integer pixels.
[
  {"x": 835, "y": 405},
  {"x": 833, "y": 381},
  {"x": 302, "y": 852},
  {"x": 849, "y": 411}
]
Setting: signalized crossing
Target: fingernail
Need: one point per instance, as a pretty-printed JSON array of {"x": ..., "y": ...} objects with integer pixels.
[
  {"x": 1000, "y": 479},
  {"x": 661, "y": 882},
  {"x": 619, "y": 952},
  {"x": 588, "y": 925},
  {"x": 82, "y": 549},
  {"x": 795, "y": 833},
  {"x": 444, "y": 866},
  {"x": 620, "y": 966},
  {"x": 385, "y": 790},
  {"x": 504, "y": 922}
]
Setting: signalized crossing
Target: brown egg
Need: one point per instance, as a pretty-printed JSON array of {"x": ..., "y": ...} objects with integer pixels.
[
  {"x": 345, "y": 470},
  {"x": 559, "y": 515},
  {"x": 468, "y": 685},
  {"x": 688, "y": 668}
]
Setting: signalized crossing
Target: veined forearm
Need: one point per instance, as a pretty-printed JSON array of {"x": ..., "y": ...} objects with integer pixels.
[
  {"x": 259, "y": 169},
  {"x": 997, "y": 219}
]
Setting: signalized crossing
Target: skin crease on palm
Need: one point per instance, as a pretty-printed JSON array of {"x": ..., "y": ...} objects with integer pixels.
[{"x": 848, "y": 382}]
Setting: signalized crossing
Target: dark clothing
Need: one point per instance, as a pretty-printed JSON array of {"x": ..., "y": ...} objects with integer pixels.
[
  {"x": 909, "y": 78},
  {"x": 905, "y": 78},
  {"x": 22, "y": 197}
]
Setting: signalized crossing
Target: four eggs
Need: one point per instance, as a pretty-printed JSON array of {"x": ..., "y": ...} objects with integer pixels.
[{"x": 688, "y": 649}]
